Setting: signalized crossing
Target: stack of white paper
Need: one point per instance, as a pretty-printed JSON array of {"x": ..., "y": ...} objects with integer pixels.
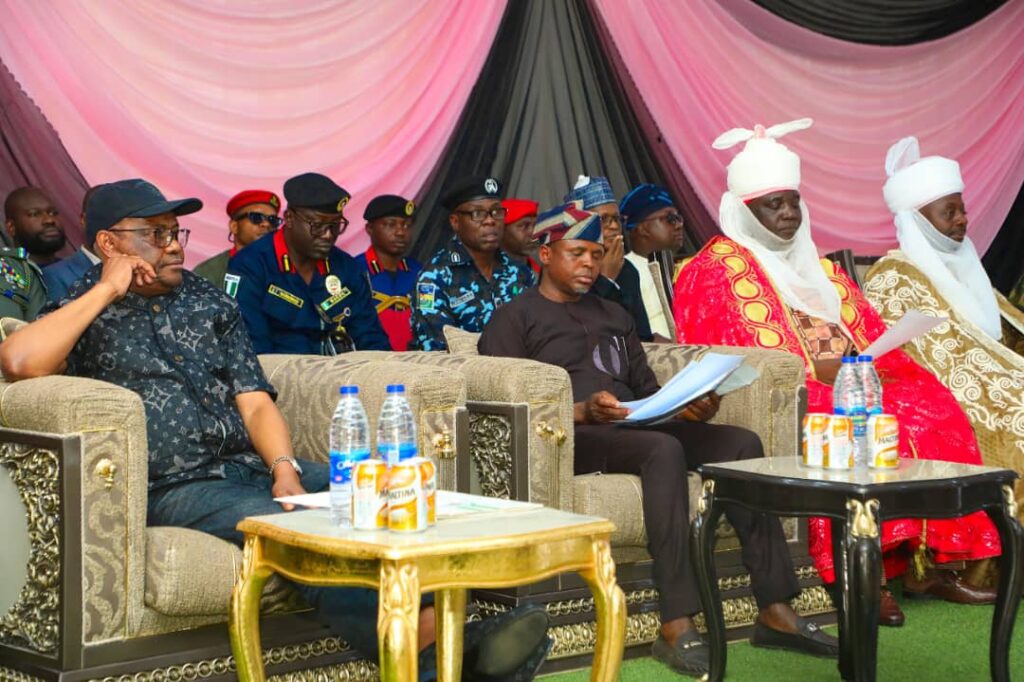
[{"x": 691, "y": 382}]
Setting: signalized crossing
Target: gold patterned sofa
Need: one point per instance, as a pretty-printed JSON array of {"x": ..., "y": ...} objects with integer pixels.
[
  {"x": 89, "y": 592},
  {"x": 521, "y": 447}
]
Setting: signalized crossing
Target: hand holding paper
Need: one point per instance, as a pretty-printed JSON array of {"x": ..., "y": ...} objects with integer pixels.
[{"x": 912, "y": 325}]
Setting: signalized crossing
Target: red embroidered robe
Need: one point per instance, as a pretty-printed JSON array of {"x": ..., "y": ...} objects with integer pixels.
[{"x": 723, "y": 296}]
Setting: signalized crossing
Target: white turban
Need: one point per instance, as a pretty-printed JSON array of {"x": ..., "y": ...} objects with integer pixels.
[
  {"x": 765, "y": 166},
  {"x": 913, "y": 181},
  {"x": 952, "y": 267}
]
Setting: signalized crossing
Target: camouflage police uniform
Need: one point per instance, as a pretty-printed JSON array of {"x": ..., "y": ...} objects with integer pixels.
[
  {"x": 451, "y": 290},
  {"x": 22, "y": 293}
]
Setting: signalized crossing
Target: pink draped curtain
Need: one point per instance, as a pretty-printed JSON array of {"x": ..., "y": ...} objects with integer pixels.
[
  {"x": 208, "y": 98},
  {"x": 703, "y": 67}
]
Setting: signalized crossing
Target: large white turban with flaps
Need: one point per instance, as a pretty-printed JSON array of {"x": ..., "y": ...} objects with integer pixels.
[
  {"x": 765, "y": 166},
  {"x": 952, "y": 267}
]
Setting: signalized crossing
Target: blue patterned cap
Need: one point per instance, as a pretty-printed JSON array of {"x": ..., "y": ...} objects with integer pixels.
[
  {"x": 592, "y": 192},
  {"x": 642, "y": 201},
  {"x": 568, "y": 222}
]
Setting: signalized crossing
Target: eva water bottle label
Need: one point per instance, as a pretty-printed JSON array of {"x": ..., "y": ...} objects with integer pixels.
[{"x": 342, "y": 463}]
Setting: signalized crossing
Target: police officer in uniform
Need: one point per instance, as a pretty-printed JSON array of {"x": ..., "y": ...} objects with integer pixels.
[
  {"x": 392, "y": 274},
  {"x": 470, "y": 277},
  {"x": 22, "y": 294},
  {"x": 297, "y": 291}
]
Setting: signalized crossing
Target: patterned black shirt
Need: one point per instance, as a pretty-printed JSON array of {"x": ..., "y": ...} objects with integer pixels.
[{"x": 187, "y": 354}]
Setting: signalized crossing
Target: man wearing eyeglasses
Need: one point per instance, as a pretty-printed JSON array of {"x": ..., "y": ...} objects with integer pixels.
[
  {"x": 392, "y": 274},
  {"x": 619, "y": 280},
  {"x": 654, "y": 224},
  {"x": 471, "y": 276},
  {"x": 298, "y": 292},
  {"x": 253, "y": 213}
]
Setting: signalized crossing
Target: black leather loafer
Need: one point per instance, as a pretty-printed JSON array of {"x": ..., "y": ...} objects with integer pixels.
[
  {"x": 808, "y": 639},
  {"x": 690, "y": 655}
]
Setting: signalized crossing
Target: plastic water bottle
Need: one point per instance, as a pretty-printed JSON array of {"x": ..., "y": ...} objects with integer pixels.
[
  {"x": 396, "y": 429},
  {"x": 848, "y": 399},
  {"x": 349, "y": 443},
  {"x": 871, "y": 384}
]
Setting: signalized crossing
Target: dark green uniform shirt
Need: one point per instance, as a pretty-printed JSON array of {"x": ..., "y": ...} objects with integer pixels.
[
  {"x": 213, "y": 269},
  {"x": 22, "y": 294}
]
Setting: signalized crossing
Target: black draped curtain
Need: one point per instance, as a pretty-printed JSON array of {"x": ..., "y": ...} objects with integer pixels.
[
  {"x": 547, "y": 107},
  {"x": 882, "y": 22}
]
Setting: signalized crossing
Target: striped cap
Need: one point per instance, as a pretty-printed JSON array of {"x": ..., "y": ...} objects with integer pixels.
[{"x": 568, "y": 221}]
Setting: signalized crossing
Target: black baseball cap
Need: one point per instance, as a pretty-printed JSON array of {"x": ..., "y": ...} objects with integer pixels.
[{"x": 111, "y": 203}]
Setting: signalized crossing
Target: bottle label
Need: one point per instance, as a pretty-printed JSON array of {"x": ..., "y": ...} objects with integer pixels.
[
  {"x": 342, "y": 463},
  {"x": 393, "y": 453}
]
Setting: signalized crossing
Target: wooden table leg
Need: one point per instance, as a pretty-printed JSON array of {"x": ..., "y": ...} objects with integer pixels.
[
  {"x": 702, "y": 550},
  {"x": 450, "y": 610},
  {"x": 610, "y": 605},
  {"x": 1011, "y": 584},
  {"x": 244, "y": 619},
  {"x": 840, "y": 566},
  {"x": 864, "y": 557},
  {"x": 398, "y": 621}
]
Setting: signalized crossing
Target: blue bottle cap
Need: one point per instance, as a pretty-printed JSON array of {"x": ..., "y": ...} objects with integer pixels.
[
  {"x": 848, "y": 359},
  {"x": 864, "y": 358},
  {"x": 396, "y": 388},
  {"x": 348, "y": 390}
]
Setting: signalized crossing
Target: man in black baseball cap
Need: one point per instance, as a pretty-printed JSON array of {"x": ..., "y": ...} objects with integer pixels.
[
  {"x": 392, "y": 275},
  {"x": 298, "y": 292},
  {"x": 470, "y": 276}
]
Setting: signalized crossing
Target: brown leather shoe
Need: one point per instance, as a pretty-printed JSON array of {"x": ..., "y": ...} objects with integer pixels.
[
  {"x": 949, "y": 586},
  {"x": 889, "y": 613}
]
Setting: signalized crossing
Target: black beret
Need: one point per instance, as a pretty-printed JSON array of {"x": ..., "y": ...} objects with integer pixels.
[
  {"x": 316, "y": 192},
  {"x": 388, "y": 206},
  {"x": 468, "y": 189}
]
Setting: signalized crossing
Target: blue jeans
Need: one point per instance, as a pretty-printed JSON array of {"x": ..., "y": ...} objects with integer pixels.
[{"x": 215, "y": 506}]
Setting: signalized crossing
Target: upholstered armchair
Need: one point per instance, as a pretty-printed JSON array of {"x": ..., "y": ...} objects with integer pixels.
[
  {"x": 521, "y": 447},
  {"x": 89, "y": 589}
]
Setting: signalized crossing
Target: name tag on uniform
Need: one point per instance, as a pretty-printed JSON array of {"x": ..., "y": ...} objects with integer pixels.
[
  {"x": 335, "y": 299},
  {"x": 425, "y": 296},
  {"x": 288, "y": 296},
  {"x": 461, "y": 300},
  {"x": 231, "y": 284}
]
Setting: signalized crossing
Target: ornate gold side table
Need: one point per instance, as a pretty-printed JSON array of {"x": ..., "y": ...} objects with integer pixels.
[{"x": 513, "y": 548}]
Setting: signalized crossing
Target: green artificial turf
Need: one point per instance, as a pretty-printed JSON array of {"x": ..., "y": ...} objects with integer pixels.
[{"x": 939, "y": 642}]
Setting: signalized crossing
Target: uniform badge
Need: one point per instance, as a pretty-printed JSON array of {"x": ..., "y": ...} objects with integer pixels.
[
  {"x": 288, "y": 296},
  {"x": 333, "y": 284},
  {"x": 491, "y": 186},
  {"x": 410, "y": 206},
  {"x": 231, "y": 284},
  {"x": 342, "y": 204},
  {"x": 425, "y": 296},
  {"x": 462, "y": 300},
  {"x": 275, "y": 202}
]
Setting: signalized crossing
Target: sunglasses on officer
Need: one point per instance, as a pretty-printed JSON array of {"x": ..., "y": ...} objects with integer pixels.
[{"x": 256, "y": 218}]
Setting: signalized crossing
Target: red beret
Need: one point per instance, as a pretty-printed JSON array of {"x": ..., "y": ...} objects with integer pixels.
[
  {"x": 518, "y": 208},
  {"x": 250, "y": 197}
]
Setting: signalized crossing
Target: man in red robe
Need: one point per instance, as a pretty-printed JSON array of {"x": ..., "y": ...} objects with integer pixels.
[{"x": 763, "y": 285}]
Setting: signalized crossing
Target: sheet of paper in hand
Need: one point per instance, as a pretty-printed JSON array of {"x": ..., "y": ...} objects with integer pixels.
[
  {"x": 691, "y": 382},
  {"x": 913, "y": 324}
]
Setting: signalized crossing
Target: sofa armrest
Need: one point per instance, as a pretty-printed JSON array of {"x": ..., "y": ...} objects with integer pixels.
[
  {"x": 493, "y": 385},
  {"x": 308, "y": 385},
  {"x": 97, "y": 436},
  {"x": 772, "y": 406}
]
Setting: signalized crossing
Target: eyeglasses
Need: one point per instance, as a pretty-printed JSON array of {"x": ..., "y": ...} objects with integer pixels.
[
  {"x": 478, "y": 215},
  {"x": 257, "y": 219},
  {"x": 334, "y": 227},
  {"x": 607, "y": 220},
  {"x": 672, "y": 219},
  {"x": 161, "y": 237}
]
